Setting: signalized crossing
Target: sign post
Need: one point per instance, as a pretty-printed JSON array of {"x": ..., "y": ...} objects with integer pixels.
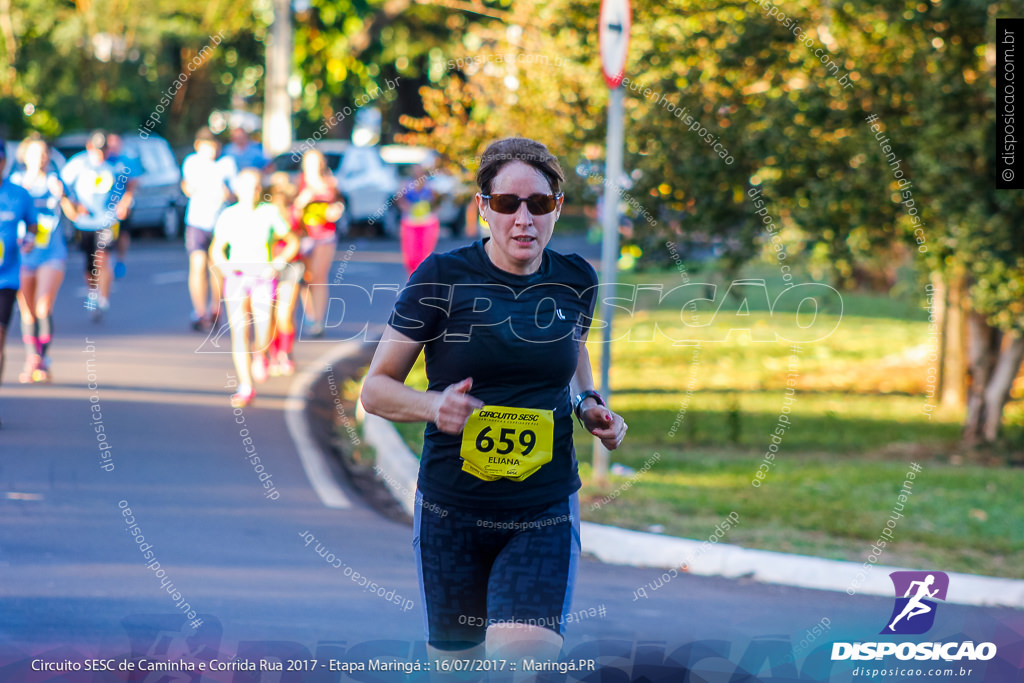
[
  {"x": 613, "y": 41},
  {"x": 277, "y": 116}
]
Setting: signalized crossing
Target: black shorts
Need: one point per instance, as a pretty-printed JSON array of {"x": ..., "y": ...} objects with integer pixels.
[
  {"x": 483, "y": 567},
  {"x": 94, "y": 241},
  {"x": 197, "y": 239},
  {"x": 7, "y": 298}
]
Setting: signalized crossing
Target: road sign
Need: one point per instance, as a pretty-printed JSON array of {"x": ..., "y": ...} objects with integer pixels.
[
  {"x": 615, "y": 21},
  {"x": 613, "y": 39}
]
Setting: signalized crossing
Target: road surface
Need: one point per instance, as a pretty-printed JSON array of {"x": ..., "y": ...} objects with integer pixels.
[{"x": 229, "y": 568}]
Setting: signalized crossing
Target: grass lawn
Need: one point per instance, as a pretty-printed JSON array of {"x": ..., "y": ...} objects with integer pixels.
[{"x": 709, "y": 407}]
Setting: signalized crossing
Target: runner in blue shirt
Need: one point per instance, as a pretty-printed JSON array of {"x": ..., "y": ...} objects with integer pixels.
[
  {"x": 503, "y": 324},
  {"x": 17, "y": 213},
  {"x": 42, "y": 269},
  {"x": 244, "y": 152},
  {"x": 101, "y": 203}
]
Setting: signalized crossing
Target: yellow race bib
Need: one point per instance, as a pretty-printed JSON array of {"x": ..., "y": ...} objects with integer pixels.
[
  {"x": 499, "y": 441},
  {"x": 315, "y": 213},
  {"x": 420, "y": 209},
  {"x": 44, "y": 228}
]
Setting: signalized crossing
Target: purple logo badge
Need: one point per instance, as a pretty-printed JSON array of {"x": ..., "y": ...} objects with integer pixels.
[{"x": 916, "y": 592}]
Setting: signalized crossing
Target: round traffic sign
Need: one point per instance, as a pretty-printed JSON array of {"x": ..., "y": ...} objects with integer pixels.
[{"x": 613, "y": 39}]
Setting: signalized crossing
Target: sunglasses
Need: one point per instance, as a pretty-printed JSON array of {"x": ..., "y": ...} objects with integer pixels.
[{"x": 537, "y": 204}]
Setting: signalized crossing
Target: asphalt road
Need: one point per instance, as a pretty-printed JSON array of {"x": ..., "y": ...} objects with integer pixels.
[{"x": 75, "y": 583}]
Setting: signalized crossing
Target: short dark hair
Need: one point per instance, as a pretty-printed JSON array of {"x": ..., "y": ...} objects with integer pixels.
[{"x": 501, "y": 152}]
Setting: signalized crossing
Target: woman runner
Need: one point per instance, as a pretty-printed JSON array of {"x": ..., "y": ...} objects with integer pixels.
[
  {"x": 318, "y": 206},
  {"x": 419, "y": 226},
  {"x": 246, "y": 229},
  {"x": 503, "y": 325},
  {"x": 42, "y": 269}
]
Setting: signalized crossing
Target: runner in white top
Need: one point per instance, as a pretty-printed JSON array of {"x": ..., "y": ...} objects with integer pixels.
[
  {"x": 247, "y": 228},
  {"x": 102, "y": 202},
  {"x": 204, "y": 180}
]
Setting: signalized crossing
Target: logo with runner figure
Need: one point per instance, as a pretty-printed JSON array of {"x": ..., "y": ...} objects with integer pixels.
[{"x": 916, "y": 592}]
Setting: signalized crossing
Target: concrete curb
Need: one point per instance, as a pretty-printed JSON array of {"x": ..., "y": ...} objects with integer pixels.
[
  {"x": 397, "y": 467},
  {"x": 314, "y": 462}
]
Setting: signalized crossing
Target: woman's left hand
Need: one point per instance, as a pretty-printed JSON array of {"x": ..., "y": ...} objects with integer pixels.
[{"x": 605, "y": 424}]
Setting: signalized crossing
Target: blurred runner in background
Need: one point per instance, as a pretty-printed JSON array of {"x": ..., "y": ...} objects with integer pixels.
[
  {"x": 101, "y": 203},
  {"x": 42, "y": 269},
  {"x": 244, "y": 152},
  {"x": 289, "y": 278},
  {"x": 241, "y": 251},
  {"x": 131, "y": 168},
  {"x": 318, "y": 207},
  {"x": 16, "y": 209},
  {"x": 204, "y": 180},
  {"x": 420, "y": 226}
]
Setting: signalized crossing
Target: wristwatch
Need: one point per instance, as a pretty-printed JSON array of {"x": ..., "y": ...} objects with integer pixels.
[{"x": 583, "y": 396}]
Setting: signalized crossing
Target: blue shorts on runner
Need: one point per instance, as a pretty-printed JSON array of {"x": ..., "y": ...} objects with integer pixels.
[{"x": 479, "y": 567}]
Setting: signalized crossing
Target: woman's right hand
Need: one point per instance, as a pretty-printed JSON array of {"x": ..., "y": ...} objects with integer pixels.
[
  {"x": 454, "y": 405},
  {"x": 303, "y": 199}
]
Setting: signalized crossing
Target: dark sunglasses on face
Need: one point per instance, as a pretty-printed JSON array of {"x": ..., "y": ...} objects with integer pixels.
[{"x": 537, "y": 204}]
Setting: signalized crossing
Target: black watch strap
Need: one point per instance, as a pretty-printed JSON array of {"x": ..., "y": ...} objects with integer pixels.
[{"x": 583, "y": 396}]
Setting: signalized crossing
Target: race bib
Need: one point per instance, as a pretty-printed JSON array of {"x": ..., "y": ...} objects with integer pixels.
[
  {"x": 420, "y": 209},
  {"x": 103, "y": 182},
  {"x": 507, "y": 442},
  {"x": 44, "y": 228},
  {"x": 315, "y": 213}
]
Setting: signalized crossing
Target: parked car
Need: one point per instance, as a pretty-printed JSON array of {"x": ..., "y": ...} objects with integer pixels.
[
  {"x": 159, "y": 201},
  {"x": 452, "y": 193},
  {"x": 291, "y": 161},
  {"x": 369, "y": 186}
]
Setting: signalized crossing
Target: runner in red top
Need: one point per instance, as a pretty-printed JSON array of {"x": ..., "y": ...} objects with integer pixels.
[{"x": 318, "y": 207}]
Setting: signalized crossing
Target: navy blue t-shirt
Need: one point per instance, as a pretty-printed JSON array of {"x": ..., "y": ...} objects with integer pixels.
[{"x": 518, "y": 337}]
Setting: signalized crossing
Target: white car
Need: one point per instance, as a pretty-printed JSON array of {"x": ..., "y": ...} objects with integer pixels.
[{"x": 369, "y": 186}]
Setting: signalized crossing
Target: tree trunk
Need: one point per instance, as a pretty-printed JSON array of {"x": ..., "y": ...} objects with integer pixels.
[
  {"x": 983, "y": 349},
  {"x": 955, "y": 368},
  {"x": 987, "y": 388},
  {"x": 998, "y": 390},
  {"x": 937, "y": 322}
]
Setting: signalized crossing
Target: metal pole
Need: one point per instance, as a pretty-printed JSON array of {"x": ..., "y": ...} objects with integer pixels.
[
  {"x": 277, "y": 110},
  {"x": 609, "y": 256}
]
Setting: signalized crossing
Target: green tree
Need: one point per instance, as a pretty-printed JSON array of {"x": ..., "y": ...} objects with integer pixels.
[{"x": 109, "y": 62}]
